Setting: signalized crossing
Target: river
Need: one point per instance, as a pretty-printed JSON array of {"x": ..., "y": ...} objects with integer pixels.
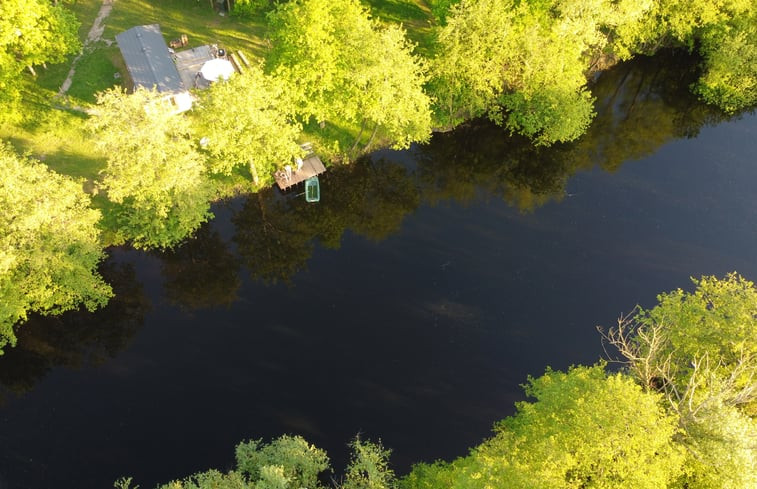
[{"x": 408, "y": 305}]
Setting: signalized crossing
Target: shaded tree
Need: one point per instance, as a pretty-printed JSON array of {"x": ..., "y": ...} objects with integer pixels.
[
  {"x": 247, "y": 121},
  {"x": 342, "y": 65},
  {"x": 586, "y": 428},
  {"x": 154, "y": 173},
  {"x": 50, "y": 244},
  {"x": 32, "y": 32}
]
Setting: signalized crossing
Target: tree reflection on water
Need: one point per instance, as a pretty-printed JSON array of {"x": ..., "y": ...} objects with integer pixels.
[
  {"x": 641, "y": 105},
  {"x": 76, "y": 339}
]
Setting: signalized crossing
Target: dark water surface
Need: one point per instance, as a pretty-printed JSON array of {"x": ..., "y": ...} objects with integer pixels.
[{"x": 408, "y": 305}]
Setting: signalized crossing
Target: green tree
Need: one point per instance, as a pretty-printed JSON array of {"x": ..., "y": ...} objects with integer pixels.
[
  {"x": 286, "y": 462},
  {"x": 154, "y": 173},
  {"x": 247, "y": 121},
  {"x": 369, "y": 467},
  {"x": 722, "y": 450},
  {"x": 699, "y": 349},
  {"x": 342, "y": 65},
  {"x": 32, "y": 32},
  {"x": 50, "y": 244},
  {"x": 697, "y": 346},
  {"x": 586, "y": 428},
  {"x": 466, "y": 73},
  {"x": 528, "y": 58},
  {"x": 730, "y": 63}
]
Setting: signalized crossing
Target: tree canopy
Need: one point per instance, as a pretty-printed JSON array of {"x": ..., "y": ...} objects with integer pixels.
[
  {"x": 290, "y": 462},
  {"x": 699, "y": 349},
  {"x": 50, "y": 244},
  {"x": 32, "y": 32},
  {"x": 246, "y": 120},
  {"x": 155, "y": 174},
  {"x": 342, "y": 65},
  {"x": 586, "y": 428}
]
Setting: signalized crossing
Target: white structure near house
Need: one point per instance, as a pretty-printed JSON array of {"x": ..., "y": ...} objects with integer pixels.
[{"x": 151, "y": 65}]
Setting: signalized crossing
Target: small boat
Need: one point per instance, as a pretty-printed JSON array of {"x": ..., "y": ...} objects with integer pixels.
[{"x": 312, "y": 190}]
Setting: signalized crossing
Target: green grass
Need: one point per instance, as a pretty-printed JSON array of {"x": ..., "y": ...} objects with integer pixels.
[
  {"x": 415, "y": 16},
  {"x": 194, "y": 18},
  {"x": 58, "y": 138},
  {"x": 96, "y": 71}
]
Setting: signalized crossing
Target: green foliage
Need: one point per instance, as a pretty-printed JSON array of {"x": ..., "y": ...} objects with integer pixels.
[
  {"x": 466, "y": 73},
  {"x": 211, "y": 479},
  {"x": 287, "y": 462},
  {"x": 722, "y": 450},
  {"x": 699, "y": 349},
  {"x": 247, "y": 121},
  {"x": 340, "y": 64},
  {"x": 369, "y": 467},
  {"x": 548, "y": 115},
  {"x": 441, "y": 8},
  {"x": 154, "y": 174},
  {"x": 730, "y": 63},
  {"x": 683, "y": 20},
  {"x": 716, "y": 323},
  {"x": 32, "y": 32},
  {"x": 528, "y": 58},
  {"x": 250, "y": 8},
  {"x": 49, "y": 244},
  {"x": 585, "y": 429}
]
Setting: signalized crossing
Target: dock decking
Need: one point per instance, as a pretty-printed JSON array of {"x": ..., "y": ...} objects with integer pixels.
[{"x": 311, "y": 166}]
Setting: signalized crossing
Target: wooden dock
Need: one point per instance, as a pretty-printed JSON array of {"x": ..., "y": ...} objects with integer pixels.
[{"x": 311, "y": 166}]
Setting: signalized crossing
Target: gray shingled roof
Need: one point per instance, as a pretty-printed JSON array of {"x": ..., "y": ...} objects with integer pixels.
[{"x": 148, "y": 60}]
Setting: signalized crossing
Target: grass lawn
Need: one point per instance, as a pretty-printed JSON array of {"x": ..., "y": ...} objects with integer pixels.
[
  {"x": 194, "y": 18},
  {"x": 415, "y": 16}
]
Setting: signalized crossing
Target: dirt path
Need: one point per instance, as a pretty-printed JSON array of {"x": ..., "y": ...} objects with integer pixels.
[{"x": 94, "y": 35}]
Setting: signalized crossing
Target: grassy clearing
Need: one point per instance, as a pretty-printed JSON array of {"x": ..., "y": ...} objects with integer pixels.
[
  {"x": 58, "y": 138},
  {"x": 415, "y": 16},
  {"x": 191, "y": 17}
]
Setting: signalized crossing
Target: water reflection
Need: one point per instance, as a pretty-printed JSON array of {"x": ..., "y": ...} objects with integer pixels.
[
  {"x": 641, "y": 106},
  {"x": 275, "y": 234},
  {"x": 202, "y": 272},
  {"x": 76, "y": 339}
]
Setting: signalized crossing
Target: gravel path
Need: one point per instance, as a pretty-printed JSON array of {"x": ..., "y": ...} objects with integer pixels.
[{"x": 94, "y": 35}]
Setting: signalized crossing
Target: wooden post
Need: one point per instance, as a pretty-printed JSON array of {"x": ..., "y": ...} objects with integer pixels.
[{"x": 228, "y": 6}]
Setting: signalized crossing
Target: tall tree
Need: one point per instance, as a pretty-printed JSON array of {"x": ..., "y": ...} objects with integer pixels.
[
  {"x": 586, "y": 428},
  {"x": 730, "y": 63},
  {"x": 699, "y": 349},
  {"x": 246, "y": 121},
  {"x": 32, "y": 32},
  {"x": 155, "y": 173},
  {"x": 344, "y": 66},
  {"x": 49, "y": 244}
]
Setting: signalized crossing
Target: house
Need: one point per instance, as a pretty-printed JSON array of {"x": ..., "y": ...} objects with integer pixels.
[{"x": 150, "y": 64}]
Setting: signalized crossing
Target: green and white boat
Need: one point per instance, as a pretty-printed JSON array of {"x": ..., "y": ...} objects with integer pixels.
[{"x": 312, "y": 190}]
